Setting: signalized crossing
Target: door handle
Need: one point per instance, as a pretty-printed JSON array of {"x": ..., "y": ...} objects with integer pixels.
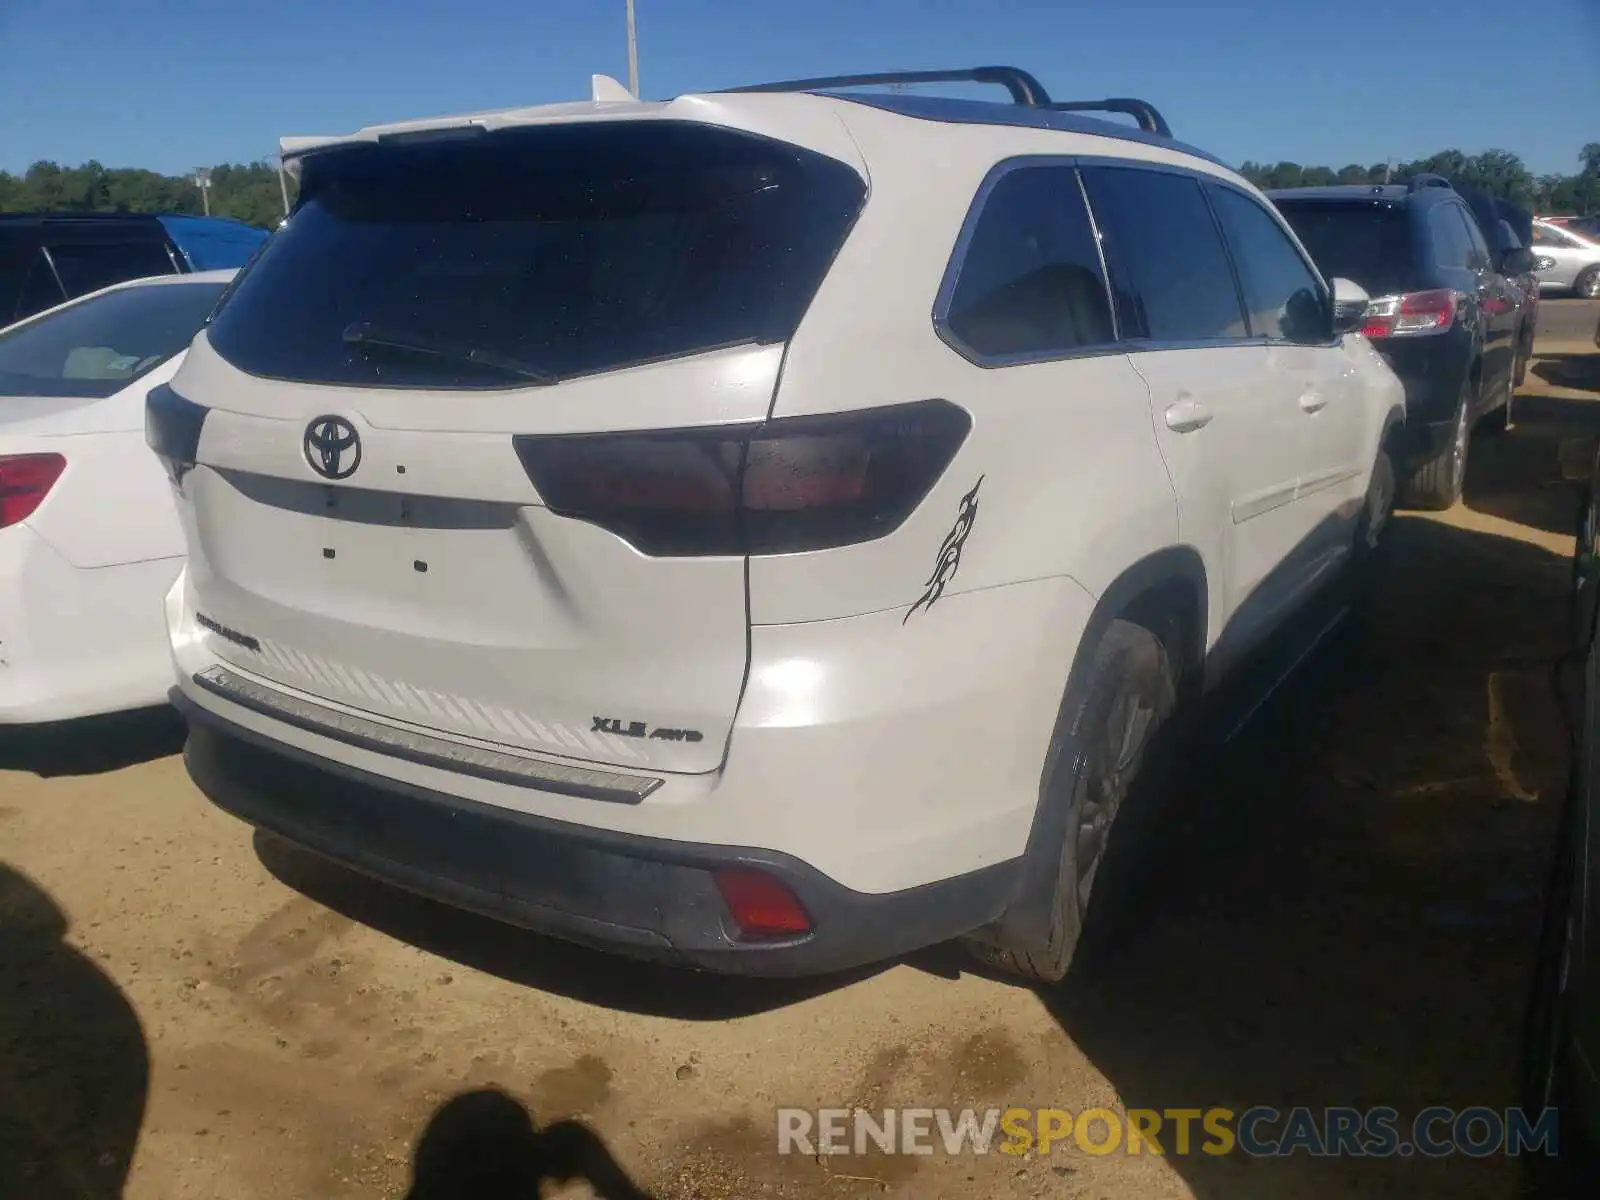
[
  {"x": 1313, "y": 402},
  {"x": 1187, "y": 415}
]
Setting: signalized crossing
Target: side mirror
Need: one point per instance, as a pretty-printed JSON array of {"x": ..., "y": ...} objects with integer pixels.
[{"x": 1350, "y": 302}]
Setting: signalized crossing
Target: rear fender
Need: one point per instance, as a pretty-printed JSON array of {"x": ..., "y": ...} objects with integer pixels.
[{"x": 1135, "y": 595}]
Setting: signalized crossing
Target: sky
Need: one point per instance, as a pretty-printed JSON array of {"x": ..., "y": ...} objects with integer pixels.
[{"x": 174, "y": 84}]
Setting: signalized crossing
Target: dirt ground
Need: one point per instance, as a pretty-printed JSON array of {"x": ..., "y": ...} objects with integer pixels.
[{"x": 1342, "y": 912}]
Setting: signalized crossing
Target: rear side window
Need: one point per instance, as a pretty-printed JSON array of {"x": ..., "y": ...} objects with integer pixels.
[
  {"x": 1029, "y": 284},
  {"x": 100, "y": 345},
  {"x": 87, "y": 267},
  {"x": 38, "y": 288},
  {"x": 1477, "y": 247},
  {"x": 1365, "y": 242},
  {"x": 531, "y": 255},
  {"x": 1452, "y": 248},
  {"x": 1160, "y": 233},
  {"x": 1285, "y": 300}
]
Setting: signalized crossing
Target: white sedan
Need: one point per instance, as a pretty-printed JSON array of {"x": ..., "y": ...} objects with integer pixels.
[{"x": 89, "y": 534}]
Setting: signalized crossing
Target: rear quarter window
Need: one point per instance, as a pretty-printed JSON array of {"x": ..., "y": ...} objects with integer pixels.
[
  {"x": 537, "y": 254},
  {"x": 1029, "y": 284}
]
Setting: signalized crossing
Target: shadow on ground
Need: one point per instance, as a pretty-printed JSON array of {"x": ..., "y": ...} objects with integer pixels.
[
  {"x": 74, "y": 1068},
  {"x": 1346, "y": 902},
  {"x": 91, "y": 745},
  {"x": 483, "y": 1145},
  {"x": 1527, "y": 474},
  {"x": 1570, "y": 370},
  {"x": 529, "y": 959}
]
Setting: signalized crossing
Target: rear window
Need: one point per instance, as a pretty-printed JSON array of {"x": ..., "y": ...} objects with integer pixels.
[
  {"x": 1366, "y": 243},
  {"x": 100, "y": 345},
  {"x": 532, "y": 255}
]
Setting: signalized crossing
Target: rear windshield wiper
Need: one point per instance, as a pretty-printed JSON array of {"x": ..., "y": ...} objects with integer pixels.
[{"x": 365, "y": 335}]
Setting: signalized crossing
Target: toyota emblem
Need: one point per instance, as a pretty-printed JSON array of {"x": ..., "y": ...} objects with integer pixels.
[{"x": 333, "y": 448}]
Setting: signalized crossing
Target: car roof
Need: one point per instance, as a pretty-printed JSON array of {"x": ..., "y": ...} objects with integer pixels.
[
  {"x": 769, "y": 109},
  {"x": 1389, "y": 193},
  {"x": 42, "y": 218},
  {"x": 220, "y": 276}
]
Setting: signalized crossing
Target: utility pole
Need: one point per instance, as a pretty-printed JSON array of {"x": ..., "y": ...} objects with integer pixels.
[
  {"x": 1388, "y": 170},
  {"x": 283, "y": 186},
  {"x": 202, "y": 180},
  {"x": 633, "y": 55}
]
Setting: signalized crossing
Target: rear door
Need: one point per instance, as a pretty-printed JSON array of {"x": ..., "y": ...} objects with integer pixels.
[
  {"x": 444, "y": 478},
  {"x": 1500, "y": 300},
  {"x": 1228, "y": 432},
  {"x": 1289, "y": 306}
]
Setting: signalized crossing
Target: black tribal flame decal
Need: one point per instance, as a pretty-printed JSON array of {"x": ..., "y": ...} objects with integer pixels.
[{"x": 949, "y": 560}]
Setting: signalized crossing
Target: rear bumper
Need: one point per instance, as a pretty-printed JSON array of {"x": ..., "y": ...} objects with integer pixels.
[
  {"x": 647, "y": 897},
  {"x": 1430, "y": 416},
  {"x": 886, "y": 771}
]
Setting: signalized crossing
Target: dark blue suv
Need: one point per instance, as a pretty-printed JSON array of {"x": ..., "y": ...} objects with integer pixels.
[{"x": 1447, "y": 310}]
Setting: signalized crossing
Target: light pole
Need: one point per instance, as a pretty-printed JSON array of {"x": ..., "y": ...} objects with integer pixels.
[
  {"x": 633, "y": 55},
  {"x": 202, "y": 180},
  {"x": 283, "y": 186}
]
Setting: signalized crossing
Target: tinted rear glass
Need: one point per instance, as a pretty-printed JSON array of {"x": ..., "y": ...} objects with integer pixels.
[
  {"x": 536, "y": 254},
  {"x": 1366, "y": 243},
  {"x": 1159, "y": 230},
  {"x": 87, "y": 267},
  {"x": 101, "y": 345}
]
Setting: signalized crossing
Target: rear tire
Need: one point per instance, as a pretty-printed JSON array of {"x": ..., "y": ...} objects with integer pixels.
[
  {"x": 1524, "y": 353},
  {"x": 1499, "y": 420},
  {"x": 1587, "y": 284},
  {"x": 1105, "y": 743},
  {"x": 1437, "y": 483}
]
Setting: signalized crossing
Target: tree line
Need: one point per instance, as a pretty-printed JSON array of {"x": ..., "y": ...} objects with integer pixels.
[
  {"x": 249, "y": 192},
  {"x": 1498, "y": 172}
]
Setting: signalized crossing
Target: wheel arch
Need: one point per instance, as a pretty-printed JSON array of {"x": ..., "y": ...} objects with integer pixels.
[{"x": 1167, "y": 593}]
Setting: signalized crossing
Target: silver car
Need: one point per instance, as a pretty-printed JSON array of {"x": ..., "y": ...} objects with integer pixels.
[{"x": 1565, "y": 261}]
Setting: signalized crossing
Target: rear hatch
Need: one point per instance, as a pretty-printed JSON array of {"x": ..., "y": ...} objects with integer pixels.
[
  {"x": 1365, "y": 241},
  {"x": 422, "y": 488}
]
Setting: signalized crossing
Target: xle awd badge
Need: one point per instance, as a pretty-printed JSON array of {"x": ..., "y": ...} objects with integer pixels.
[
  {"x": 638, "y": 729},
  {"x": 332, "y": 447}
]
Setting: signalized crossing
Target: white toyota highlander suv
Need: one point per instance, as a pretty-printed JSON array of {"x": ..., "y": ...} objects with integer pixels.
[{"x": 763, "y": 530}]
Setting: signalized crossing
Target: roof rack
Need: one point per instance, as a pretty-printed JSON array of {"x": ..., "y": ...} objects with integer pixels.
[
  {"x": 1426, "y": 180},
  {"x": 1150, "y": 120},
  {"x": 1026, "y": 91},
  {"x": 1024, "y": 88}
]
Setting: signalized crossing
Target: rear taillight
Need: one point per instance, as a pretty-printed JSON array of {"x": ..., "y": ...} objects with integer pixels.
[
  {"x": 762, "y": 907},
  {"x": 25, "y": 480},
  {"x": 1411, "y": 314},
  {"x": 172, "y": 428},
  {"x": 794, "y": 484}
]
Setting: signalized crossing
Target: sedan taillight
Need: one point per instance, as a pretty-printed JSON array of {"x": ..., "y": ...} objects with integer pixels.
[{"x": 25, "y": 480}]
